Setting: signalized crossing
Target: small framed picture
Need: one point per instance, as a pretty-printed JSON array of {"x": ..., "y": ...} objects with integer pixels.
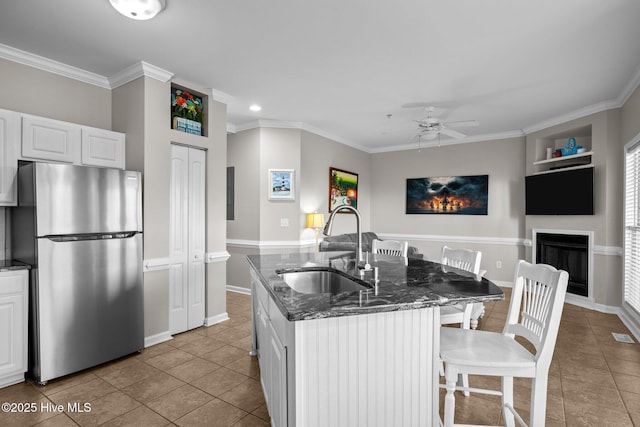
[{"x": 281, "y": 184}]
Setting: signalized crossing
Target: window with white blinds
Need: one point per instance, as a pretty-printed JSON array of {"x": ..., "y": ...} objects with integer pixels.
[{"x": 632, "y": 226}]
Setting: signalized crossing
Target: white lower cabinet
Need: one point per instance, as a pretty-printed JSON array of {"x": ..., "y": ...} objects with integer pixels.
[
  {"x": 272, "y": 358},
  {"x": 13, "y": 326}
]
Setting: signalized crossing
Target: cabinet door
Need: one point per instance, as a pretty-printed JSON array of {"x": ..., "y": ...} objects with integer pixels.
[
  {"x": 9, "y": 143},
  {"x": 278, "y": 373},
  {"x": 48, "y": 139},
  {"x": 13, "y": 323},
  {"x": 103, "y": 148},
  {"x": 262, "y": 322}
]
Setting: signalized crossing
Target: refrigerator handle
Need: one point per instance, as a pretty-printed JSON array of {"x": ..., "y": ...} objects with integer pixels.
[{"x": 98, "y": 236}]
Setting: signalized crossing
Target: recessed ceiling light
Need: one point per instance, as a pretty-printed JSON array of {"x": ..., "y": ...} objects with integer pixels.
[
  {"x": 255, "y": 107},
  {"x": 138, "y": 9}
]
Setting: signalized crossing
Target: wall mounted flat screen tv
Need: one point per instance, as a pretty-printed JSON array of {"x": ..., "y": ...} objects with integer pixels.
[{"x": 560, "y": 193}]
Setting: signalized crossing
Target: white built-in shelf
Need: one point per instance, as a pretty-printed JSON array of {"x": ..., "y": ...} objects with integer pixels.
[
  {"x": 563, "y": 158},
  {"x": 568, "y": 168}
]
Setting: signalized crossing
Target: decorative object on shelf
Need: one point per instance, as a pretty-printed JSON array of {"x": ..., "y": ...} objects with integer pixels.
[
  {"x": 186, "y": 111},
  {"x": 458, "y": 195},
  {"x": 140, "y": 10},
  {"x": 343, "y": 189},
  {"x": 315, "y": 220},
  {"x": 570, "y": 148},
  {"x": 281, "y": 184}
]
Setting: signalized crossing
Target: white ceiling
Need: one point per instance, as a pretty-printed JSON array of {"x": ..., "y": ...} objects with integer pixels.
[{"x": 340, "y": 67}]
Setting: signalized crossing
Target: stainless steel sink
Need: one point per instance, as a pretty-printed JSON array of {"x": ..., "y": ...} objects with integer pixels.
[{"x": 320, "y": 282}]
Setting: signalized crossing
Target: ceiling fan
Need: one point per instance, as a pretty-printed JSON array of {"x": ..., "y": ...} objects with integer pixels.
[{"x": 431, "y": 127}]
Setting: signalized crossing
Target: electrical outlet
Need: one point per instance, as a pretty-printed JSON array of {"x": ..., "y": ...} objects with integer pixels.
[
  {"x": 284, "y": 222},
  {"x": 498, "y": 264}
]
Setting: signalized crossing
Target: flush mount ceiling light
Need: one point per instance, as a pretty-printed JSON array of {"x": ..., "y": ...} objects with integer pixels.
[
  {"x": 255, "y": 107},
  {"x": 138, "y": 9}
]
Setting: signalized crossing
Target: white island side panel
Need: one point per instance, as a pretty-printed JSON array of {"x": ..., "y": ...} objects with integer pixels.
[{"x": 368, "y": 370}]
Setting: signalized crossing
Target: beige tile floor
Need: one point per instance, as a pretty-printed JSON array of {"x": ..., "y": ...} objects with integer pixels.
[{"x": 205, "y": 377}]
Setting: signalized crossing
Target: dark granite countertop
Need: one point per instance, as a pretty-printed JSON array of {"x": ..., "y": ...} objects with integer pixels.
[
  {"x": 403, "y": 284},
  {"x": 8, "y": 265}
]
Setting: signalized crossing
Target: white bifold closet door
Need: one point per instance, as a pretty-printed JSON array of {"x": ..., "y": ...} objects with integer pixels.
[{"x": 187, "y": 238}]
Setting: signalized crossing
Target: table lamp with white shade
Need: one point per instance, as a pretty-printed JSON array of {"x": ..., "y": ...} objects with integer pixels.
[{"x": 315, "y": 220}]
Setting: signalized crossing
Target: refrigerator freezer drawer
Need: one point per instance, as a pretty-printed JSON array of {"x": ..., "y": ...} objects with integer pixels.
[{"x": 90, "y": 299}]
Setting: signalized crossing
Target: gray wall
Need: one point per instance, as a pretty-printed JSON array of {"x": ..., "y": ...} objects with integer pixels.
[
  {"x": 33, "y": 91},
  {"x": 495, "y": 234},
  {"x": 256, "y": 228},
  {"x": 318, "y": 154}
]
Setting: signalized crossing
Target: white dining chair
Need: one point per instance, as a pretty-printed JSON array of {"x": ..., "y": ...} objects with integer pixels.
[
  {"x": 468, "y": 260},
  {"x": 534, "y": 314},
  {"x": 389, "y": 247}
]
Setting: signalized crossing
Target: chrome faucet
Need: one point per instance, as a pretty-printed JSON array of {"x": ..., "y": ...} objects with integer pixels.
[{"x": 327, "y": 229}]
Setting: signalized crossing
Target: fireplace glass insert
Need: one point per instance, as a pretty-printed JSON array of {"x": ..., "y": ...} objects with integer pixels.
[{"x": 566, "y": 252}]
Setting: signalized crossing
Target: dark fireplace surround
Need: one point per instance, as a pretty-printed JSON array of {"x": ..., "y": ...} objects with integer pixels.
[{"x": 569, "y": 252}]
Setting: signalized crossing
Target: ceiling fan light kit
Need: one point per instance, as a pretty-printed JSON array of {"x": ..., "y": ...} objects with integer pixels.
[
  {"x": 140, "y": 10},
  {"x": 431, "y": 128}
]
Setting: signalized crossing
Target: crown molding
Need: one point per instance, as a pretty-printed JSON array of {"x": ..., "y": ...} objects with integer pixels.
[
  {"x": 629, "y": 89},
  {"x": 446, "y": 142},
  {"x": 51, "y": 66},
  {"x": 220, "y": 96},
  {"x": 138, "y": 70},
  {"x": 573, "y": 115},
  {"x": 281, "y": 124}
]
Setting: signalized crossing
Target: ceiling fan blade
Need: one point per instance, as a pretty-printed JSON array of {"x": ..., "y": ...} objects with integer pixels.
[
  {"x": 417, "y": 105},
  {"x": 452, "y": 133},
  {"x": 463, "y": 123}
]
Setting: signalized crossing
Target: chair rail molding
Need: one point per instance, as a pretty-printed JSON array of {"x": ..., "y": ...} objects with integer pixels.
[
  {"x": 270, "y": 244},
  {"x": 507, "y": 241},
  {"x": 217, "y": 256},
  {"x": 155, "y": 264}
]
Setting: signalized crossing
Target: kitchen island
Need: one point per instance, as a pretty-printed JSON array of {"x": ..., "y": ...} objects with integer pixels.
[{"x": 361, "y": 355}]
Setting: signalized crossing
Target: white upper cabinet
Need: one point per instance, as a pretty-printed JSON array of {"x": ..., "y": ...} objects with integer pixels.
[
  {"x": 9, "y": 140},
  {"x": 48, "y": 139},
  {"x": 33, "y": 138},
  {"x": 102, "y": 148},
  {"x": 57, "y": 141}
]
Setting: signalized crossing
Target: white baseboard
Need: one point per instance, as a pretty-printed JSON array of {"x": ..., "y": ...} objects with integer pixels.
[
  {"x": 630, "y": 322},
  {"x": 502, "y": 283},
  {"x": 11, "y": 380},
  {"x": 239, "y": 290},
  {"x": 157, "y": 339},
  {"x": 213, "y": 320}
]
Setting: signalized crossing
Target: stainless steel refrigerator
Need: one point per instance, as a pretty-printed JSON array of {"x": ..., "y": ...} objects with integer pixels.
[{"x": 80, "y": 228}]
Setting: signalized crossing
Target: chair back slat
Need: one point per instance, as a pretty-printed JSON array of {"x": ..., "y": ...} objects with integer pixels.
[
  {"x": 536, "y": 306},
  {"x": 464, "y": 259},
  {"x": 390, "y": 247}
]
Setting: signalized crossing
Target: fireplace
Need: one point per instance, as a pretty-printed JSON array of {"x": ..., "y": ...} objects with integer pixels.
[{"x": 569, "y": 252}]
